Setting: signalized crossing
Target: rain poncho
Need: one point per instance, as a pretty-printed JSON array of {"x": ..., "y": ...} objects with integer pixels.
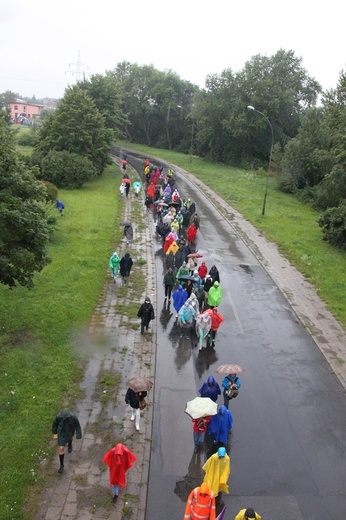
[
  {"x": 210, "y": 389},
  {"x": 65, "y": 425},
  {"x": 216, "y": 318},
  {"x": 114, "y": 262},
  {"x": 250, "y": 514},
  {"x": 214, "y": 295},
  {"x": 221, "y": 424},
  {"x": 186, "y": 313},
  {"x": 200, "y": 504},
  {"x": 192, "y": 300},
  {"x": 119, "y": 459},
  {"x": 179, "y": 298},
  {"x": 175, "y": 226},
  {"x": 203, "y": 323},
  {"x": 191, "y": 232},
  {"x": 217, "y": 470}
]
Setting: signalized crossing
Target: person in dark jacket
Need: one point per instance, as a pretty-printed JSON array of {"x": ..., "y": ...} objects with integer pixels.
[
  {"x": 64, "y": 426},
  {"x": 125, "y": 266},
  {"x": 133, "y": 398},
  {"x": 59, "y": 206},
  {"x": 214, "y": 273},
  {"x": 211, "y": 389},
  {"x": 168, "y": 282},
  {"x": 146, "y": 313},
  {"x": 170, "y": 261},
  {"x": 128, "y": 233}
]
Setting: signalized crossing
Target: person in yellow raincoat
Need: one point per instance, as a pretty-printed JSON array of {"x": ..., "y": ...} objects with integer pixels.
[
  {"x": 200, "y": 504},
  {"x": 217, "y": 470},
  {"x": 247, "y": 514},
  {"x": 173, "y": 247}
]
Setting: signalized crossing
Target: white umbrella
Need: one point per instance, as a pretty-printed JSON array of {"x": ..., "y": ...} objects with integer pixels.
[{"x": 201, "y": 407}]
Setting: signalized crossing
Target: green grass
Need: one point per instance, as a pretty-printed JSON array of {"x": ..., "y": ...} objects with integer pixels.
[
  {"x": 39, "y": 366},
  {"x": 288, "y": 222}
]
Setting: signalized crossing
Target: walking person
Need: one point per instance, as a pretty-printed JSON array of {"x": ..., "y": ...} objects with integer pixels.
[
  {"x": 230, "y": 384},
  {"x": 217, "y": 470},
  {"x": 202, "y": 271},
  {"x": 200, "y": 427},
  {"x": 128, "y": 233},
  {"x": 247, "y": 514},
  {"x": 214, "y": 295},
  {"x": 125, "y": 264},
  {"x": 119, "y": 460},
  {"x": 146, "y": 313},
  {"x": 216, "y": 320},
  {"x": 203, "y": 324},
  {"x": 214, "y": 273},
  {"x": 200, "y": 504},
  {"x": 60, "y": 206},
  {"x": 211, "y": 389},
  {"x": 114, "y": 262},
  {"x": 186, "y": 316},
  {"x": 221, "y": 425},
  {"x": 168, "y": 282},
  {"x": 179, "y": 298},
  {"x": 136, "y": 400},
  {"x": 182, "y": 271},
  {"x": 64, "y": 426}
]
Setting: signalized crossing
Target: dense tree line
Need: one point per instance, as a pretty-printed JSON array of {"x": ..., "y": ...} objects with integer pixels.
[{"x": 159, "y": 109}]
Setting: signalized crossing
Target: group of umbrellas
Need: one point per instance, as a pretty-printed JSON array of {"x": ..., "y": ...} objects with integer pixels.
[{"x": 204, "y": 406}]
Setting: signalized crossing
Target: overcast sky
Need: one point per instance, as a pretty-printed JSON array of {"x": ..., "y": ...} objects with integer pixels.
[{"x": 40, "y": 39}]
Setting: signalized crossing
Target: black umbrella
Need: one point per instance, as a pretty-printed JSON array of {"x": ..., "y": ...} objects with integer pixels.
[
  {"x": 125, "y": 223},
  {"x": 186, "y": 277}
]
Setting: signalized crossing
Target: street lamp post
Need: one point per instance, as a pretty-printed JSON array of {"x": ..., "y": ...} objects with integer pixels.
[
  {"x": 270, "y": 156},
  {"x": 192, "y": 131}
]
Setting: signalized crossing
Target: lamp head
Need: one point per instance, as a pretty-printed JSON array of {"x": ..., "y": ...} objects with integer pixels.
[{"x": 250, "y": 107}]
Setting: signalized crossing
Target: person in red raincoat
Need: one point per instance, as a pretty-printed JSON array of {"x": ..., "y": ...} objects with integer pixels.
[
  {"x": 202, "y": 271},
  {"x": 168, "y": 242},
  {"x": 119, "y": 459},
  {"x": 216, "y": 320},
  {"x": 200, "y": 504},
  {"x": 191, "y": 233}
]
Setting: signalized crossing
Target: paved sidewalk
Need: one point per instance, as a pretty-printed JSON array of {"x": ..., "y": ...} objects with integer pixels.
[{"x": 112, "y": 345}]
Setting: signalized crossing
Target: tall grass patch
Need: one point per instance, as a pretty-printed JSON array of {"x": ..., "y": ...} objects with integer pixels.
[{"x": 39, "y": 368}]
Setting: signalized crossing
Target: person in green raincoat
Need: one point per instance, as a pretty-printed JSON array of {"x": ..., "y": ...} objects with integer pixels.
[
  {"x": 114, "y": 262},
  {"x": 64, "y": 426},
  {"x": 214, "y": 295},
  {"x": 182, "y": 271}
]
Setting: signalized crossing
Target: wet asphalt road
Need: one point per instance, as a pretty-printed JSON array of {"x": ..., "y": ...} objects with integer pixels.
[{"x": 287, "y": 446}]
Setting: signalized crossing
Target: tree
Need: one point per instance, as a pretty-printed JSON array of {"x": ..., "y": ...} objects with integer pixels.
[
  {"x": 24, "y": 230},
  {"x": 67, "y": 170},
  {"x": 77, "y": 127},
  {"x": 8, "y": 97}
]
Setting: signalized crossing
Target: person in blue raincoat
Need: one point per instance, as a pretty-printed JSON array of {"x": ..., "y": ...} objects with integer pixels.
[
  {"x": 233, "y": 381},
  {"x": 210, "y": 389},
  {"x": 60, "y": 206},
  {"x": 186, "y": 314},
  {"x": 220, "y": 425},
  {"x": 179, "y": 298}
]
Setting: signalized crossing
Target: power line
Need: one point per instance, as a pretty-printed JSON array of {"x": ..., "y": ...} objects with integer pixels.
[{"x": 78, "y": 71}]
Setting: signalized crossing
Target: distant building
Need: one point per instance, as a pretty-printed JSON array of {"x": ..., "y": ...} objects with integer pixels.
[{"x": 21, "y": 111}]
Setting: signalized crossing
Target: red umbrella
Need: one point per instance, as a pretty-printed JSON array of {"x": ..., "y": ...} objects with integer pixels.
[
  {"x": 127, "y": 181},
  {"x": 194, "y": 255}
]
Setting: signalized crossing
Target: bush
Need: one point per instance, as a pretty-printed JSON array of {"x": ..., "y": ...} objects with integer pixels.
[
  {"x": 67, "y": 170},
  {"x": 333, "y": 224},
  {"x": 52, "y": 191}
]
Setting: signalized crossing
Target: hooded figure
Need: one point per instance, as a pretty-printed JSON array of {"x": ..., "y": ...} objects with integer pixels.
[
  {"x": 125, "y": 266},
  {"x": 186, "y": 313},
  {"x": 214, "y": 273},
  {"x": 128, "y": 233},
  {"x": 210, "y": 389},
  {"x": 168, "y": 282},
  {"x": 183, "y": 271},
  {"x": 200, "y": 504},
  {"x": 179, "y": 298},
  {"x": 214, "y": 295},
  {"x": 59, "y": 206},
  {"x": 247, "y": 514},
  {"x": 216, "y": 320},
  {"x": 217, "y": 470},
  {"x": 202, "y": 270},
  {"x": 192, "y": 300},
  {"x": 220, "y": 425},
  {"x": 203, "y": 324},
  {"x": 114, "y": 262},
  {"x": 64, "y": 426},
  {"x": 119, "y": 459},
  {"x": 191, "y": 233},
  {"x": 146, "y": 313}
]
